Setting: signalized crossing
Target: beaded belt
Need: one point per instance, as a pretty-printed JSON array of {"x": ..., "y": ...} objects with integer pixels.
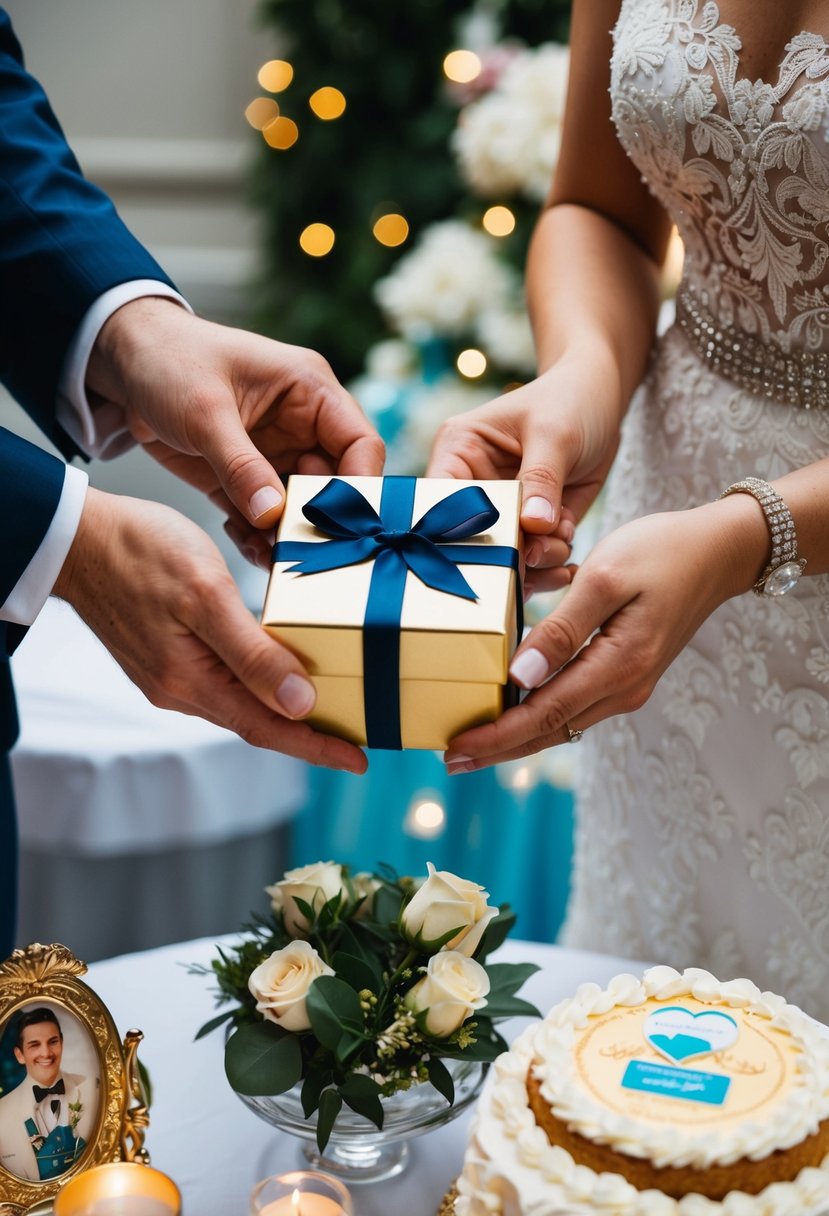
[{"x": 801, "y": 378}]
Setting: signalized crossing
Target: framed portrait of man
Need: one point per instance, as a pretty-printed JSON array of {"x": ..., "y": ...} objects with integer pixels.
[{"x": 70, "y": 1092}]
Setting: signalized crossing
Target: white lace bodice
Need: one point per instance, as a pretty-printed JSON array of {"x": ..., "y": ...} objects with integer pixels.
[{"x": 741, "y": 166}]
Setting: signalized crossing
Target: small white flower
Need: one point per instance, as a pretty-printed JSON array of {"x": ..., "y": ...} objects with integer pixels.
[
  {"x": 507, "y": 339},
  {"x": 281, "y": 984}
]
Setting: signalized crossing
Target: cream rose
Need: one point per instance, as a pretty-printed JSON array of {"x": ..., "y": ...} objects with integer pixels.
[
  {"x": 365, "y": 887},
  {"x": 445, "y": 902},
  {"x": 315, "y": 884},
  {"x": 281, "y": 984},
  {"x": 453, "y": 987}
]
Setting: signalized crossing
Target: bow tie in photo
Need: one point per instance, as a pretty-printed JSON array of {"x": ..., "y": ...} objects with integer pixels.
[{"x": 41, "y": 1093}]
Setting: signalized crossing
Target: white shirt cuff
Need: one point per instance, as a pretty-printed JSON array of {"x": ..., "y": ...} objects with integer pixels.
[
  {"x": 100, "y": 431},
  {"x": 34, "y": 586}
]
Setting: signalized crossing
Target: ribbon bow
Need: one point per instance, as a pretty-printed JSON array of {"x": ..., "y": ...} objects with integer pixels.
[
  {"x": 427, "y": 548},
  {"x": 41, "y": 1093}
]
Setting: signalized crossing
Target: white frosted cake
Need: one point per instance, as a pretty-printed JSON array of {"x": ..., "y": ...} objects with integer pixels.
[{"x": 670, "y": 1095}]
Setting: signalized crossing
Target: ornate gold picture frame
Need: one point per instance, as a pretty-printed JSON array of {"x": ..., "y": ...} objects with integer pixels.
[{"x": 70, "y": 1091}]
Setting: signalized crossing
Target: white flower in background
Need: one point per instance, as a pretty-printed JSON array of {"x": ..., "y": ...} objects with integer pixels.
[
  {"x": 507, "y": 142},
  {"x": 453, "y": 987},
  {"x": 506, "y": 338},
  {"x": 442, "y": 283},
  {"x": 445, "y": 902},
  {"x": 281, "y": 984},
  {"x": 426, "y": 410},
  {"x": 365, "y": 887},
  {"x": 315, "y": 884}
]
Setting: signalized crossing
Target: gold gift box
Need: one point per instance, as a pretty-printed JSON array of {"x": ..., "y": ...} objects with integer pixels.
[{"x": 454, "y": 653}]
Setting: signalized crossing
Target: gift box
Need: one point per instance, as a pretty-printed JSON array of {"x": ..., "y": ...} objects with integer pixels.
[{"x": 401, "y": 596}]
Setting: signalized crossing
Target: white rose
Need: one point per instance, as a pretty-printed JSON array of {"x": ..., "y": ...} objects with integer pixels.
[
  {"x": 453, "y": 987},
  {"x": 365, "y": 887},
  {"x": 281, "y": 984},
  {"x": 315, "y": 884},
  {"x": 445, "y": 902}
]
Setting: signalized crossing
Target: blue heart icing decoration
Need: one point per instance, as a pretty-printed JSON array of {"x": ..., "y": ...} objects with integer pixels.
[{"x": 679, "y": 1035}]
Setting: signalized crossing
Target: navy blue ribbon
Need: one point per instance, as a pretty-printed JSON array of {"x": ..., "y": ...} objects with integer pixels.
[{"x": 428, "y": 549}]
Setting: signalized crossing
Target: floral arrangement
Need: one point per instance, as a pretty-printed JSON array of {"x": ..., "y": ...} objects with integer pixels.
[
  {"x": 507, "y": 141},
  {"x": 358, "y": 987}
]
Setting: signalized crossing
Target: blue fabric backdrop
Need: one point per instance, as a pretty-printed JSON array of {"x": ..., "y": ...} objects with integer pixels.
[{"x": 517, "y": 843}]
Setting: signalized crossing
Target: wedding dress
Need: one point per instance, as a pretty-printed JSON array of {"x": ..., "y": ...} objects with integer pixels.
[{"x": 704, "y": 817}]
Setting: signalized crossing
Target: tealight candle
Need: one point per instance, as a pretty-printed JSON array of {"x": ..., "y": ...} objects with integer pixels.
[
  {"x": 119, "y": 1189},
  {"x": 302, "y": 1193}
]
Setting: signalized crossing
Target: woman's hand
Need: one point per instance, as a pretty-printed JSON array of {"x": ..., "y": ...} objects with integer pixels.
[
  {"x": 638, "y": 599},
  {"x": 558, "y": 434}
]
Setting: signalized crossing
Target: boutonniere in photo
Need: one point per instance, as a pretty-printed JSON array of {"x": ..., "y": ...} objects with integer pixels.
[{"x": 357, "y": 987}]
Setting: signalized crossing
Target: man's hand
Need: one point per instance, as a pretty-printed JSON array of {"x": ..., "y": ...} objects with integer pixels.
[
  {"x": 156, "y": 591},
  {"x": 223, "y": 408}
]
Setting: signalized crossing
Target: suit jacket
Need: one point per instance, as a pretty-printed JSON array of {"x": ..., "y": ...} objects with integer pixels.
[
  {"x": 62, "y": 245},
  {"x": 16, "y": 1152}
]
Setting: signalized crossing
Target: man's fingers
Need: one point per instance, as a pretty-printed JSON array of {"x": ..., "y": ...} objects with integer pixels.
[{"x": 247, "y": 478}]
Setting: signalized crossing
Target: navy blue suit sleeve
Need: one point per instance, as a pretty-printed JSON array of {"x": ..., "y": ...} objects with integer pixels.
[
  {"x": 31, "y": 482},
  {"x": 62, "y": 244}
]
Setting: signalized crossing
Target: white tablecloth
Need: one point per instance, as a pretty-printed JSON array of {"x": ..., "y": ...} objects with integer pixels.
[
  {"x": 211, "y": 1144},
  {"x": 132, "y": 808}
]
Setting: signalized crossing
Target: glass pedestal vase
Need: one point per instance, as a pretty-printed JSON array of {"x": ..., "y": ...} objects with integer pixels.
[{"x": 357, "y": 1151}]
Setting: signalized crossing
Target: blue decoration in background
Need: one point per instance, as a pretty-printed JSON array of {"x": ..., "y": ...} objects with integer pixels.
[{"x": 516, "y": 844}]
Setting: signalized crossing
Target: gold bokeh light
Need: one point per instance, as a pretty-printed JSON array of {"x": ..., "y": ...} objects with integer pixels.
[
  {"x": 327, "y": 103},
  {"x": 317, "y": 240},
  {"x": 498, "y": 221},
  {"x": 261, "y": 111},
  {"x": 391, "y": 229},
  {"x": 471, "y": 363},
  {"x": 281, "y": 133},
  {"x": 462, "y": 66},
  {"x": 275, "y": 75}
]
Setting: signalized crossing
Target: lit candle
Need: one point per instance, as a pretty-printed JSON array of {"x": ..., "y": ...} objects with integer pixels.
[
  {"x": 304, "y": 1204},
  {"x": 119, "y": 1189},
  {"x": 127, "y": 1205},
  {"x": 302, "y": 1193}
]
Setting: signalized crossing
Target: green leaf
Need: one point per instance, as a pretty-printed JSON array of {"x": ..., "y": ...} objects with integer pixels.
[
  {"x": 502, "y": 1005},
  {"x": 349, "y": 1046},
  {"x": 387, "y": 904},
  {"x": 263, "y": 1059},
  {"x": 362, "y": 1094},
  {"x": 313, "y": 1085},
  {"x": 333, "y": 1006},
  {"x": 330, "y": 911},
  {"x": 441, "y": 1078},
  {"x": 355, "y": 972},
  {"x": 329, "y": 1107},
  {"x": 508, "y": 977},
  {"x": 305, "y": 908},
  {"x": 352, "y": 944},
  {"x": 214, "y": 1022}
]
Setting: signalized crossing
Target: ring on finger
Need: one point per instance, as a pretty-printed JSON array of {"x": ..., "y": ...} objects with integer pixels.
[{"x": 573, "y": 736}]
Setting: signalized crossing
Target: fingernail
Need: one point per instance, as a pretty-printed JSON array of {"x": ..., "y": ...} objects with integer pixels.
[
  {"x": 567, "y": 530},
  {"x": 532, "y": 553},
  {"x": 538, "y": 508},
  {"x": 459, "y": 766},
  {"x": 529, "y": 668},
  {"x": 264, "y": 500},
  {"x": 296, "y": 696}
]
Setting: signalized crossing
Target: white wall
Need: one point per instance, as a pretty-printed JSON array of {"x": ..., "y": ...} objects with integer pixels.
[{"x": 151, "y": 95}]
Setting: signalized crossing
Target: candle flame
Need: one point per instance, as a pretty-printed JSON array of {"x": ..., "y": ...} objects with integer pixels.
[{"x": 295, "y": 1208}]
